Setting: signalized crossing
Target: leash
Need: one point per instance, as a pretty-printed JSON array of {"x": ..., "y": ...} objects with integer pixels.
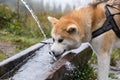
[{"x": 109, "y": 24}]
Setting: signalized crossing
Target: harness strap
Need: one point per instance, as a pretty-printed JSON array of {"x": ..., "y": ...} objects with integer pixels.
[
  {"x": 115, "y": 27},
  {"x": 108, "y": 25}
]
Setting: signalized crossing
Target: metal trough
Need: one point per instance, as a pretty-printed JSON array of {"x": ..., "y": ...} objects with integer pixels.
[{"x": 35, "y": 63}]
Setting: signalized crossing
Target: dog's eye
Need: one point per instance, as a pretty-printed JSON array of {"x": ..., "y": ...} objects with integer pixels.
[{"x": 60, "y": 40}]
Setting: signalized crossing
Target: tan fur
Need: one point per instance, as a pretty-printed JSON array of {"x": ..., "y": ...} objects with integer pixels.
[
  {"x": 80, "y": 18},
  {"x": 87, "y": 20}
]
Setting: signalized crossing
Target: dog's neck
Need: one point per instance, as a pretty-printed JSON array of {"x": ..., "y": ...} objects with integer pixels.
[
  {"x": 98, "y": 17},
  {"x": 96, "y": 21},
  {"x": 88, "y": 19}
]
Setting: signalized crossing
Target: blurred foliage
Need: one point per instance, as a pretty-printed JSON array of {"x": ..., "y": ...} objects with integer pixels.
[
  {"x": 113, "y": 76},
  {"x": 115, "y": 56},
  {"x": 9, "y": 21},
  {"x": 85, "y": 72},
  {"x": 2, "y": 55},
  {"x": 13, "y": 28},
  {"x": 21, "y": 29},
  {"x": 21, "y": 24}
]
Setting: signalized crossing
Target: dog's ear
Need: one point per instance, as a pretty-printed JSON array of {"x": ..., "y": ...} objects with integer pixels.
[
  {"x": 72, "y": 29},
  {"x": 52, "y": 20}
]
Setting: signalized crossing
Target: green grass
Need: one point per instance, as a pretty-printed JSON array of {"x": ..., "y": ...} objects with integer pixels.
[
  {"x": 24, "y": 37},
  {"x": 114, "y": 57},
  {"x": 82, "y": 73},
  {"x": 21, "y": 42},
  {"x": 2, "y": 56},
  {"x": 111, "y": 75}
]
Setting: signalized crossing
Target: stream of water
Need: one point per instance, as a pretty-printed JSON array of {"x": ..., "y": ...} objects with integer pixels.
[{"x": 34, "y": 16}]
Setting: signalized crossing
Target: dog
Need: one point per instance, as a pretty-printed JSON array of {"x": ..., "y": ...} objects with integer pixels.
[{"x": 77, "y": 27}]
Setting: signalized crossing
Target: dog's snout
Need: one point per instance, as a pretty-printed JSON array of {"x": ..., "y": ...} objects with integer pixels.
[{"x": 56, "y": 55}]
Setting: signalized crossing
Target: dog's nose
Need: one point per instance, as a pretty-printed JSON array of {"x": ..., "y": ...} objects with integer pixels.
[{"x": 53, "y": 52}]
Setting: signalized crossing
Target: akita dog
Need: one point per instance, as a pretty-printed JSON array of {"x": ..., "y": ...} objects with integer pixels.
[{"x": 97, "y": 23}]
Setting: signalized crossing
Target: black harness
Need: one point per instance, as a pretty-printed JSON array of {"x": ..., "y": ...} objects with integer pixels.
[{"x": 109, "y": 24}]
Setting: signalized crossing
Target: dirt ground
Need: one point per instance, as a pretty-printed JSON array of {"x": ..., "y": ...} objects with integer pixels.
[{"x": 8, "y": 48}]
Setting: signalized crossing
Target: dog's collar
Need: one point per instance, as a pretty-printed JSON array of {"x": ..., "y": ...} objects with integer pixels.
[{"x": 109, "y": 24}]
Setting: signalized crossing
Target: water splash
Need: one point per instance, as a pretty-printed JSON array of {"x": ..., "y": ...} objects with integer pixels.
[{"x": 34, "y": 16}]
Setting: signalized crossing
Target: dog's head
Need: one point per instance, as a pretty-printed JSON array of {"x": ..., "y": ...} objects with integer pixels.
[
  {"x": 65, "y": 34},
  {"x": 74, "y": 28}
]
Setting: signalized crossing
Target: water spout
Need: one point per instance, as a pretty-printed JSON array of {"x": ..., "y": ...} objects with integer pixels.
[{"x": 34, "y": 16}]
